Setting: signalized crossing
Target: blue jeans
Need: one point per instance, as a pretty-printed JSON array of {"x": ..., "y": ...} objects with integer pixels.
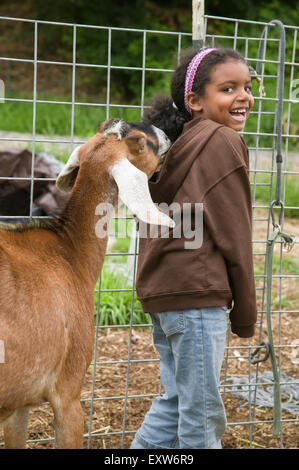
[{"x": 190, "y": 414}]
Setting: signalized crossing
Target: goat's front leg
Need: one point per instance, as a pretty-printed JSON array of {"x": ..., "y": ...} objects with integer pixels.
[
  {"x": 15, "y": 429},
  {"x": 69, "y": 424}
]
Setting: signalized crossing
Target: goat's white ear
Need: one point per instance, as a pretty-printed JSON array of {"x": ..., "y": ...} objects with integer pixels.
[
  {"x": 164, "y": 141},
  {"x": 134, "y": 193},
  {"x": 67, "y": 177}
]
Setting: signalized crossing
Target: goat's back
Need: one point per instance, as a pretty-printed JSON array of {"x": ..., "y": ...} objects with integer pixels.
[{"x": 41, "y": 319}]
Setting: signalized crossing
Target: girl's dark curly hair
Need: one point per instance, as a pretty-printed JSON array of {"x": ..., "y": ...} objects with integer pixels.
[{"x": 169, "y": 113}]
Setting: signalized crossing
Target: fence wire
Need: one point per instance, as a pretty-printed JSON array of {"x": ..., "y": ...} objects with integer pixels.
[{"x": 123, "y": 353}]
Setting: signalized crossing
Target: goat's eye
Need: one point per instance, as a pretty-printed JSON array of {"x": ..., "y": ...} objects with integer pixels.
[{"x": 152, "y": 146}]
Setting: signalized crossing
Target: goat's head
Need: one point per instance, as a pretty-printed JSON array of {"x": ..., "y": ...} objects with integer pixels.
[{"x": 128, "y": 155}]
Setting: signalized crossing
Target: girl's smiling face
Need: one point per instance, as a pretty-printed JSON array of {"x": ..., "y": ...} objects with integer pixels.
[{"x": 227, "y": 98}]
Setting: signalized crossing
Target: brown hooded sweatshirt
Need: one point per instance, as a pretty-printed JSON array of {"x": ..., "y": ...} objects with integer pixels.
[{"x": 207, "y": 164}]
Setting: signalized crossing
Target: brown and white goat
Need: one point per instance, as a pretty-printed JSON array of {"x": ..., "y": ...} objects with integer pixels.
[{"x": 47, "y": 278}]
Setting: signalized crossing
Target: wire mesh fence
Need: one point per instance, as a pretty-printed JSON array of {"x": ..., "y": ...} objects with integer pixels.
[{"x": 124, "y": 375}]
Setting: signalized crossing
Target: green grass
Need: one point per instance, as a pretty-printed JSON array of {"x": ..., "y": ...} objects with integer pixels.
[
  {"x": 115, "y": 307},
  {"x": 121, "y": 229},
  {"x": 266, "y": 124},
  {"x": 262, "y": 193},
  {"x": 121, "y": 245},
  {"x": 55, "y": 119},
  {"x": 289, "y": 266}
]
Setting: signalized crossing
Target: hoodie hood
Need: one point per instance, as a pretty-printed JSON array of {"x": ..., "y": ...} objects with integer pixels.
[{"x": 179, "y": 158}]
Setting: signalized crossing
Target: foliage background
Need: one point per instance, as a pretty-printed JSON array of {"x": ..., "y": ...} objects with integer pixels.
[{"x": 55, "y": 43}]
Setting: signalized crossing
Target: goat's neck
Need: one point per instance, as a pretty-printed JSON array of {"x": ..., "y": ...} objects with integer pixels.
[{"x": 86, "y": 225}]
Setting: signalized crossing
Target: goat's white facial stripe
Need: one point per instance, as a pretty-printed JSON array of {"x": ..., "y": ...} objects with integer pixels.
[
  {"x": 164, "y": 141},
  {"x": 134, "y": 192}
]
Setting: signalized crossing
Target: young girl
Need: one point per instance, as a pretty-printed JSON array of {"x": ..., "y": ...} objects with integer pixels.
[{"x": 188, "y": 291}]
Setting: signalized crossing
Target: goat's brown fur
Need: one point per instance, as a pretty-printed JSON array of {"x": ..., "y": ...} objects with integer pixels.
[{"x": 48, "y": 274}]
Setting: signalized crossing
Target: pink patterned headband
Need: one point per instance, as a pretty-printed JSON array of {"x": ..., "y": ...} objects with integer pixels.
[{"x": 191, "y": 72}]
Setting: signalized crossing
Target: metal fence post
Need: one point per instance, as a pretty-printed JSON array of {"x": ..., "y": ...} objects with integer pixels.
[{"x": 198, "y": 9}]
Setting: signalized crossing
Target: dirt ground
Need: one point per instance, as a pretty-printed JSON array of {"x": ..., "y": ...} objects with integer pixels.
[{"x": 143, "y": 379}]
